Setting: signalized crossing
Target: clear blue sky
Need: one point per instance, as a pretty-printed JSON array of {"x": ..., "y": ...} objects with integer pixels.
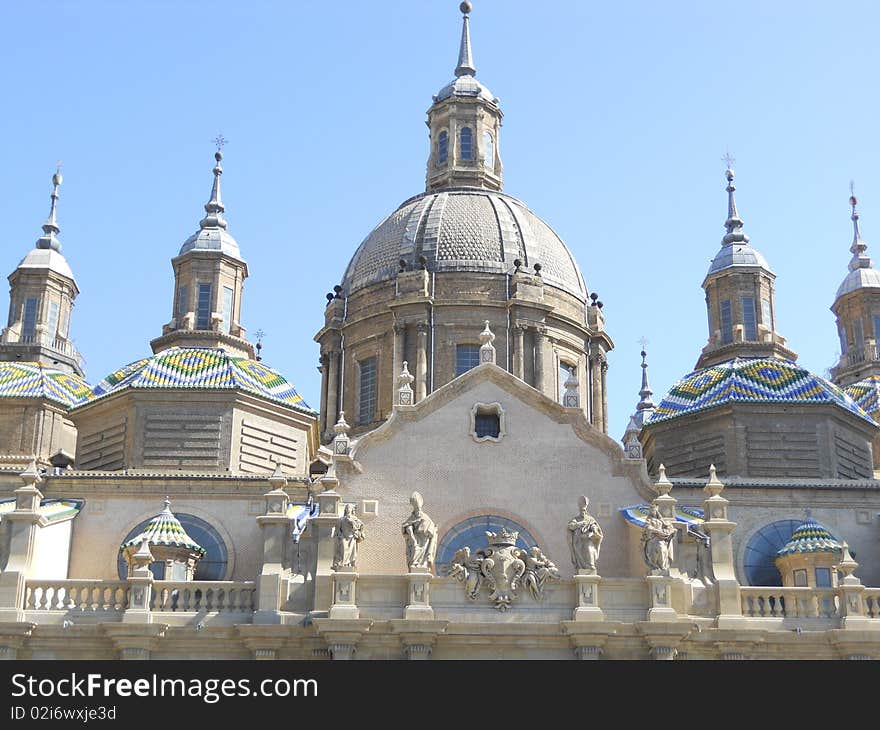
[{"x": 616, "y": 119}]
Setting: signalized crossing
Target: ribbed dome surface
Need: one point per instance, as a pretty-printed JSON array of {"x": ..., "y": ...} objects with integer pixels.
[
  {"x": 861, "y": 278},
  {"x": 463, "y": 229}
]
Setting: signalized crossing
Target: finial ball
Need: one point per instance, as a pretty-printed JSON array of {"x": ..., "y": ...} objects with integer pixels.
[
  {"x": 853, "y": 200},
  {"x": 730, "y": 175},
  {"x": 218, "y": 155},
  {"x": 56, "y": 178},
  {"x": 465, "y": 7}
]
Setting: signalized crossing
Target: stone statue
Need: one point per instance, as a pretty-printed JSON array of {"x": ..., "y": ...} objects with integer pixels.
[
  {"x": 539, "y": 568},
  {"x": 657, "y": 545},
  {"x": 349, "y": 532},
  {"x": 420, "y": 534},
  {"x": 584, "y": 540}
]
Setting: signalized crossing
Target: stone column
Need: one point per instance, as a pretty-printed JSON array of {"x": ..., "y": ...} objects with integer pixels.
[
  {"x": 719, "y": 529},
  {"x": 540, "y": 354},
  {"x": 332, "y": 392},
  {"x": 398, "y": 353},
  {"x": 518, "y": 360},
  {"x": 23, "y": 522},
  {"x": 596, "y": 408},
  {"x": 604, "y": 394},
  {"x": 422, "y": 361},
  {"x": 324, "y": 383},
  {"x": 275, "y": 527}
]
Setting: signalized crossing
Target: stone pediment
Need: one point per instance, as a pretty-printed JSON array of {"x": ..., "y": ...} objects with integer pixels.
[{"x": 509, "y": 386}]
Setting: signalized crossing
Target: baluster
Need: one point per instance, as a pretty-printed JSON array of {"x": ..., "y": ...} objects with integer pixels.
[
  {"x": 29, "y": 598},
  {"x": 221, "y": 600},
  {"x": 814, "y": 604}
]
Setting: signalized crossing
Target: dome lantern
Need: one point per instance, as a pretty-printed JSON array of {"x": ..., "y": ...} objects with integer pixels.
[{"x": 465, "y": 122}]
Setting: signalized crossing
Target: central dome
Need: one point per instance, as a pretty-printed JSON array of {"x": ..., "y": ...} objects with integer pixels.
[{"x": 463, "y": 229}]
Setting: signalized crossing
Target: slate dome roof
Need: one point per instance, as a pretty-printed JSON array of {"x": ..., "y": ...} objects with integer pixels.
[
  {"x": 750, "y": 380},
  {"x": 202, "y": 368},
  {"x": 463, "y": 229}
]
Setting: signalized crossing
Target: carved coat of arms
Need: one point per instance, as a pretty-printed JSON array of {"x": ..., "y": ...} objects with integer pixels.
[{"x": 502, "y": 568}]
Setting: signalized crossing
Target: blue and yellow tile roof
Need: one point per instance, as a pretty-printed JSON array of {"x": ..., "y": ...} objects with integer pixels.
[
  {"x": 202, "y": 368},
  {"x": 53, "y": 510},
  {"x": 810, "y": 537},
  {"x": 866, "y": 393},
  {"x": 750, "y": 380},
  {"x": 35, "y": 380},
  {"x": 164, "y": 529}
]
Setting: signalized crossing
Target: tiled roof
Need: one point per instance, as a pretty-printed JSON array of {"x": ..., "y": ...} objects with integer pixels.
[
  {"x": 164, "y": 529},
  {"x": 866, "y": 393},
  {"x": 202, "y": 368},
  {"x": 637, "y": 514},
  {"x": 35, "y": 380},
  {"x": 750, "y": 380},
  {"x": 810, "y": 537},
  {"x": 52, "y": 510}
]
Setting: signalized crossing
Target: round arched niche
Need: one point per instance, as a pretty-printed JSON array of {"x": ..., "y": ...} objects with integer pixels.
[{"x": 471, "y": 532}]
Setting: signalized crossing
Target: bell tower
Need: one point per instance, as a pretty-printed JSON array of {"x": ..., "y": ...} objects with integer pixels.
[
  {"x": 209, "y": 275},
  {"x": 740, "y": 298},
  {"x": 41, "y": 294}
]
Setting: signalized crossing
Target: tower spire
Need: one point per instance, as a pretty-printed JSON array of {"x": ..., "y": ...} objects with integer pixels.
[
  {"x": 214, "y": 207},
  {"x": 733, "y": 224},
  {"x": 50, "y": 227},
  {"x": 465, "y": 60},
  {"x": 860, "y": 259},
  {"x": 645, "y": 402}
]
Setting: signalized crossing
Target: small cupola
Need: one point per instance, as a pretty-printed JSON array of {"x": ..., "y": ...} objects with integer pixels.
[
  {"x": 810, "y": 557},
  {"x": 175, "y": 554}
]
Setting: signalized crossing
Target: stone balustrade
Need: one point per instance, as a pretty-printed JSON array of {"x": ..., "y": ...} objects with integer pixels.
[
  {"x": 779, "y": 602},
  {"x": 206, "y": 596},
  {"x": 76, "y": 595},
  {"x": 872, "y": 602}
]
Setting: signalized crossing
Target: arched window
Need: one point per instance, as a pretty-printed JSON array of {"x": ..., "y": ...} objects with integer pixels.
[
  {"x": 466, "y": 137},
  {"x": 442, "y": 147},
  {"x": 759, "y": 559},
  {"x": 472, "y": 533},
  {"x": 489, "y": 151},
  {"x": 212, "y": 566}
]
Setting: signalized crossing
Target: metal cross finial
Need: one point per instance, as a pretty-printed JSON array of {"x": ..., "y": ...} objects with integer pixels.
[
  {"x": 219, "y": 140},
  {"x": 728, "y": 159},
  {"x": 58, "y": 167},
  {"x": 852, "y": 187},
  {"x": 644, "y": 342}
]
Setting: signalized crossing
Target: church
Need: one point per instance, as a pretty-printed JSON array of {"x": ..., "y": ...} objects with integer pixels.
[{"x": 454, "y": 492}]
